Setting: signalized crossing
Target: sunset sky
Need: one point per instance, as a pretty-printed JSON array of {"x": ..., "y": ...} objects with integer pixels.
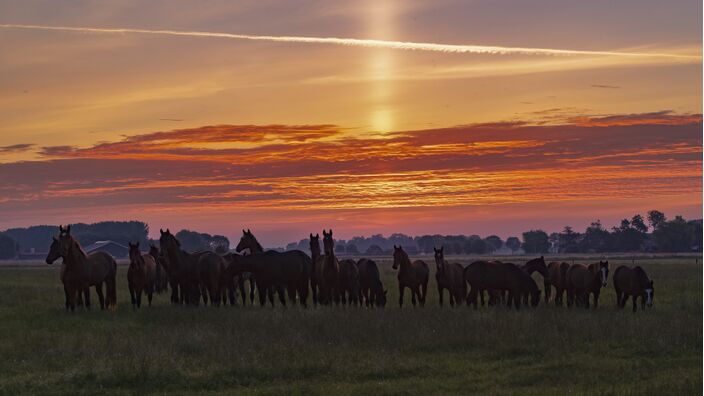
[{"x": 366, "y": 117}]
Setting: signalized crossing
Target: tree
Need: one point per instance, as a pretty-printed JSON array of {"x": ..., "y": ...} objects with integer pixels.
[
  {"x": 638, "y": 224},
  {"x": 478, "y": 246},
  {"x": 339, "y": 248},
  {"x": 8, "y": 247},
  {"x": 673, "y": 236},
  {"x": 513, "y": 243},
  {"x": 535, "y": 241},
  {"x": 596, "y": 238},
  {"x": 374, "y": 250},
  {"x": 656, "y": 219},
  {"x": 569, "y": 240},
  {"x": 351, "y": 249},
  {"x": 493, "y": 242}
]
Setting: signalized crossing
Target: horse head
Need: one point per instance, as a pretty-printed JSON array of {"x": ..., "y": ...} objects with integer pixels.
[
  {"x": 54, "y": 251},
  {"x": 400, "y": 257},
  {"x": 439, "y": 258},
  {"x": 328, "y": 243},
  {"x": 136, "y": 258},
  {"x": 604, "y": 272},
  {"x": 315, "y": 244},
  {"x": 248, "y": 241}
]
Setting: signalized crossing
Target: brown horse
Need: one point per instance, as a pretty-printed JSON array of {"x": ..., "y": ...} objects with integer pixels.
[
  {"x": 450, "y": 277},
  {"x": 583, "y": 280},
  {"x": 211, "y": 273},
  {"x": 54, "y": 255},
  {"x": 83, "y": 271},
  {"x": 498, "y": 277},
  {"x": 327, "y": 273},
  {"x": 141, "y": 275},
  {"x": 633, "y": 282},
  {"x": 371, "y": 289},
  {"x": 248, "y": 242},
  {"x": 349, "y": 282},
  {"x": 412, "y": 275},
  {"x": 183, "y": 270},
  {"x": 162, "y": 278},
  {"x": 558, "y": 280},
  {"x": 281, "y": 271}
]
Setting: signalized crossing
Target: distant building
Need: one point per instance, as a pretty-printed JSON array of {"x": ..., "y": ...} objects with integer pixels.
[{"x": 111, "y": 247}]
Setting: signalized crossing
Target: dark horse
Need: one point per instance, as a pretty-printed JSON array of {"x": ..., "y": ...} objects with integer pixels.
[
  {"x": 53, "y": 256},
  {"x": 451, "y": 277},
  {"x": 317, "y": 259},
  {"x": 211, "y": 273},
  {"x": 371, "y": 289},
  {"x": 412, "y": 275},
  {"x": 83, "y": 271},
  {"x": 274, "y": 271},
  {"x": 349, "y": 282},
  {"x": 633, "y": 282},
  {"x": 558, "y": 280},
  {"x": 583, "y": 280},
  {"x": 253, "y": 246},
  {"x": 327, "y": 272},
  {"x": 183, "y": 270},
  {"x": 162, "y": 278},
  {"x": 499, "y": 277},
  {"x": 141, "y": 275}
]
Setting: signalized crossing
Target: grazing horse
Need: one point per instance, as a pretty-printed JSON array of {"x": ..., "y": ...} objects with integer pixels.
[
  {"x": 282, "y": 271},
  {"x": 412, "y": 275},
  {"x": 54, "y": 255},
  {"x": 83, "y": 271},
  {"x": 633, "y": 282},
  {"x": 498, "y": 277},
  {"x": 557, "y": 279},
  {"x": 317, "y": 259},
  {"x": 162, "y": 278},
  {"x": 450, "y": 277},
  {"x": 183, "y": 270},
  {"x": 141, "y": 275},
  {"x": 583, "y": 280},
  {"x": 327, "y": 273},
  {"x": 349, "y": 282},
  {"x": 370, "y": 287}
]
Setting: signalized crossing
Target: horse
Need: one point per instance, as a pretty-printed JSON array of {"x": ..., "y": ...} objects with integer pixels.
[
  {"x": 450, "y": 277},
  {"x": 211, "y": 273},
  {"x": 141, "y": 275},
  {"x": 633, "y": 282},
  {"x": 349, "y": 282},
  {"x": 183, "y": 270},
  {"x": 317, "y": 259},
  {"x": 83, "y": 271},
  {"x": 583, "y": 280},
  {"x": 291, "y": 270},
  {"x": 498, "y": 277},
  {"x": 371, "y": 289},
  {"x": 413, "y": 275},
  {"x": 327, "y": 273},
  {"x": 557, "y": 279},
  {"x": 253, "y": 246},
  {"x": 162, "y": 277},
  {"x": 54, "y": 255}
]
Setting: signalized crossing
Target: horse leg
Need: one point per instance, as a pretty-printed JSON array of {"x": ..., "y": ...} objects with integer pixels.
[
  {"x": 635, "y": 302},
  {"x": 303, "y": 293},
  {"x": 281, "y": 291},
  {"x": 101, "y": 296},
  {"x": 440, "y": 292},
  {"x": 262, "y": 295},
  {"x": 548, "y": 290},
  {"x": 72, "y": 299},
  {"x": 133, "y": 298},
  {"x": 291, "y": 290},
  {"x": 66, "y": 294},
  {"x": 618, "y": 298},
  {"x": 414, "y": 292},
  {"x": 252, "y": 288},
  {"x": 270, "y": 293},
  {"x": 452, "y": 298},
  {"x": 481, "y": 296},
  {"x": 400, "y": 296}
]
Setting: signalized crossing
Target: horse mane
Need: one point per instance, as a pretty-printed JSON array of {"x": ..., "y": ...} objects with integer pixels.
[
  {"x": 404, "y": 258},
  {"x": 77, "y": 246}
]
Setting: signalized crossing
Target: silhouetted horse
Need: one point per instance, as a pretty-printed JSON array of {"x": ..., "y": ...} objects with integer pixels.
[
  {"x": 633, "y": 282},
  {"x": 281, "y": 271},
  {"x": 583, "y": 280},
  {"x": 349, "y": 282},
  {"x": 54, "y": 255},
  {"x": 250, "y": 243},
  {"x": 83, "y": 271},
  {"x": 141, "y": 275},
  {"x": 162, "y": 277},
  {"x": 497, "y": 277},
  {"x": 412, "y": 275},
  {"x": 450, "y": 277},
  {"x": 327, "y": 273},
  {"x": 183, "y": 270},
  {"x": 317, "y": 259},
  {"x": 558, "y": 280},
  {"x": 370, "y": 287}
]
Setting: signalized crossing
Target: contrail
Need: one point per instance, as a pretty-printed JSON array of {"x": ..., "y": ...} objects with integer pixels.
[{"x": 352, "y": 42}]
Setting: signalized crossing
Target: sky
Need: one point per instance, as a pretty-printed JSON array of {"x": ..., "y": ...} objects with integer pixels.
[{"x": 366, "y": 117}]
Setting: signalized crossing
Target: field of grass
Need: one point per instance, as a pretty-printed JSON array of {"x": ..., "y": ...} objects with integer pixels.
[{"x": 250, "y": 350}]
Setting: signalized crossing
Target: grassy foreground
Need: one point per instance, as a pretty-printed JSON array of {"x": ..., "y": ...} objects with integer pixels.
[{"x": 177, "y": 350}]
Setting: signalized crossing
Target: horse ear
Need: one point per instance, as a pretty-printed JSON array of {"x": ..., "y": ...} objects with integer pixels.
[
  {"x": 61, "y": 228},
  {"x": 542, "y": 257},
  {"x": 311, "y": 235},
  {"x": 249, "y": 232},
  {"x": 68, "y": 229},
  {"x": 137, "y": 244},
  {"x": 161, "y": 231},
  {"x": 317, "y": 235}
]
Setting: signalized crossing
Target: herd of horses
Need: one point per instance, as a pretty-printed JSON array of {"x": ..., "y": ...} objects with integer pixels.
[{"x": 293, "y": 275}]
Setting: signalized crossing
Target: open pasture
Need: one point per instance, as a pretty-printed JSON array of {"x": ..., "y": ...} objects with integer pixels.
[{"x": 348, "y": 350}]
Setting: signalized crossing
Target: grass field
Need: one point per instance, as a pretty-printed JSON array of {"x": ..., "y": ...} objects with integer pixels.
[{"x": 177, "y": 350}]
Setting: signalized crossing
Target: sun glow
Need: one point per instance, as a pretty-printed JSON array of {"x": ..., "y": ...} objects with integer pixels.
[{"x": 381, "y": 67}]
